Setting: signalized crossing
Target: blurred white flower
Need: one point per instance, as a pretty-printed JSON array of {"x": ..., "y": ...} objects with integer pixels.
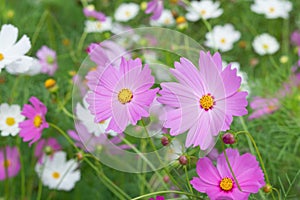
[
  {"x": 92, "y": 26},
  {"x": 87, "y": 119},
  {"x": 57, "y": 173},
  {"x": 126, "y": 12},
  {"x": 222, "y": 37},
  {"x": 10, "y": 116},
  {"x": 205, "y": 9},
  {"x": 265, "y": 44},
  {"x": 166, "y": 19},
  {"x": 25, "y": 65},
  {"x": 10, "y": 50},
  {"x": 174, "y": 150},
  {"x": 272, "y": 8}
]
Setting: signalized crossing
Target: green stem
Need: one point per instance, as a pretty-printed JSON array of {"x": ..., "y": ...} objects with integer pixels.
[
  {"x": 40, "y": 189},
  {"x": 230, "y": 168},
  {"x": 7, "y": 185},
  {"x": 166, "y": 192},
  {"x": 22, "y": 169},
  {"x": 246, "y": 129},
  {"x": 81, "y": 42},
  {"x": 109, "y": 184},
  {"x": 187, "y": 179}
]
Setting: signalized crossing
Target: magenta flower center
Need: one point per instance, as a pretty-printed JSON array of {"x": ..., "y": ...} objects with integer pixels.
[
  {"x": 226, "y": 184},
  {"x": 37, "y": 121},
  {"x": 207, "y": 102},
  {"x": 1, "y": 56},
  {"x": 6, "y": 163},
  {"x": 55, "y": 175},
  {"x": 125, "y": 96},
  {"x": 10, "y": 121}
]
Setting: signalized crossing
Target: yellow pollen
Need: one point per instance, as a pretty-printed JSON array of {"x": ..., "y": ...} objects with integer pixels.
[
  {"x": 226, "y": 184},
  {"x": 37, "y": 121},
  {"x": 125, "y": 96},
  {"x": 167, "y": 21},
  {"x": 223, "y": 40},
  {"x": 6, "y": 163},
  {"x": 271, "y": 9},
  {"x": 10, "y": 121},
  {"x": 203, "y": 12},
  {"x": 98, "y": 25},
  {"x": 1, "y": 56},
  {"x": 206, "y": 102},
  {"x": 55, "y": 175},
  {"x": 102, "y": 122},
  {"x": 265, "y": 46},
  {"x": 127, "y": 13}
]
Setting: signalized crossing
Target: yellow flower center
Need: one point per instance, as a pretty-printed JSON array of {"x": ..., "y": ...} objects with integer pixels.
[
  {"x": 49, "y": 83},
  {"x": 265, "y": 46},
  {"x": 202, "y": 12},
  {"x": 125, "y": 96},
  {"x": 99, "y": 25},
  {"x": 37, "y": 121},
  {"x": 207, "y": 102},
  {"x": 1, "y": 56},
  {"x": 167, "y": 21},
  {"x": 6, "y": 163},
  {"x": 55, "y": 175},
  {"x": 10, "y": 121},
  {"x": 223, "y": 40},
  {"x": 226, "y": 184},
  {"x": 271, "y": 9},
  {"x": 127, "y": 14}
]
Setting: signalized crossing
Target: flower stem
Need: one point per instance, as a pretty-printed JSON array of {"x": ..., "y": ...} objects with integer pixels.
[
  {"x": 187, "y": 179},
  {"x": 22, "y": 169},
  {"x": 166, "y": 192}
]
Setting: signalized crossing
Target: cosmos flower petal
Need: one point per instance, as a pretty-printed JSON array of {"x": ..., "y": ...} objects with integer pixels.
[
  {"x": 207, "y": 171},
  {"x": 236, "y": 104},
  {"x": 8, "y": 36},
  {"x": 21, "y": 47}
]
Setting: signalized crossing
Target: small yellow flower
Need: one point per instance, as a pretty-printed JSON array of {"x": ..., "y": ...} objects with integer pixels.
[
  {"x": 180, "y": 20},
  {"x": 284, "y": 59},
  {"x": 50, "y": 84}
]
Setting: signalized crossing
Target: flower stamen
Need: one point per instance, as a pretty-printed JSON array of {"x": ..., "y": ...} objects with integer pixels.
[
  {"x": 6, "y": 163},
  {"x": 125, "y": 96},
  {"x": 55, "y": 175},
  {"x": 1, "y": 56},
  {"x": 207, "y": 102},
  {"x": 37, "y": 121},
  {"x": 226, "y": 184},
  {"x": 10, "y": 121}
]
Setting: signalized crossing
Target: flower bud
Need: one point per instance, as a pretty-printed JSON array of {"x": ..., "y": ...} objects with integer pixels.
[
  {"x": 267, "y": 188},
  {"x": 228, "y": 138},
  {"x": 50, "y": 84},
  {"x": 165, "y": 141},
  {"x": 180, "y": 20},
  {"x": 166, "y": 179},
  {"x": 143, "y": 5},
  {"x": 183, "y": 160},
  {"x": 79, "y": 156},
  {"x": 48, "y": 150}
]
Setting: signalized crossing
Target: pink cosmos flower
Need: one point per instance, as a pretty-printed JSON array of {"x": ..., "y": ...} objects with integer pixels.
[
  {"x": 218, "y": 182},
  {"x": 123, "y": 94},
  {"x": 31, "y": 129},
  {"x": 158, "y": 198},
  {"x": 93, "y": 13},
  {"x": 9, "y": 162},
  {"x": 204, "y": 101},
  {"x": 156, "y": 7},
  {"x": 46, "y": 146},
  {"x": 90, "y": 142},
  {"x": 295, "y": 38},
  {"x": 47, "y": 59},
  {"x": 263, "y": 106}
]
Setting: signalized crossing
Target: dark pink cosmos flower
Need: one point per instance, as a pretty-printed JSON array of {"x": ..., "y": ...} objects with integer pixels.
[
  {"x": 204, "y": 100},
  {"x": 158, "y": 198},
  {"x": 122, "y": 94},
  {"x": 46, "y": 146},
  {"x": 31, "y": 129},
  {"x": 9, "y": 162},
  {"x": 88, "y": 12},
  {"x": 155, "y": 7},
  {"x": 48, "y": 60},
  {"x": 263, "y": 106},
  {"x": 295, "y": 38},
  {"x": 218, "y": 182}
]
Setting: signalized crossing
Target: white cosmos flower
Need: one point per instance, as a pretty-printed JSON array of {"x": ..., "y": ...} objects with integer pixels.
[
  {"x": 265, "y": 44},
  {"x": 272, "y": 8},
  {"x": 166, "y": 19},
  {"x": 205, "y": 9},
  {"x": 222, "y": 37},
  {"x": 87, "y": 119},
  {"x": 126, "y": 12},
  {"x": 24, "y": 65},
  {"x": 10, "y": 116},
  {"x": 58, "y": 173},
  {"x": 175, "y": 150},
  {"x": 10, "y": 50},
  {"x": 96, "y": 26}
]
